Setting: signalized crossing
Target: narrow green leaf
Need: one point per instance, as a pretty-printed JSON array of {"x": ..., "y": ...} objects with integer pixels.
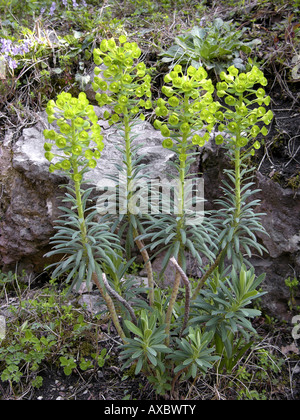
[{"x": 133, "y": 328}]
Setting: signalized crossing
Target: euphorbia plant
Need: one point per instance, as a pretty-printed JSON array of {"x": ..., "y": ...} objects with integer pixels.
[
  {"x": 86, "y": 243},
  {"x": 189, "y": 107},
  {"x": 232, "y": 229},
  {"x": 239, "y": 119},
  {"x": 242, "y": 117},
  {"x": 167, "y": 339},
  {"x": 129, "y": 92}
]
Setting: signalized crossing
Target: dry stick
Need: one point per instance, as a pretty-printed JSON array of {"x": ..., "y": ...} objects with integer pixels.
[
  {"x": 207, "y": 274},
  {"x": 111, "y": 307},
  {"x": 119, "y": 298},
  {"x": 148, "y": 266},
  {"x": 187, "y": 293},
  {"x": 171, "y": 305}
]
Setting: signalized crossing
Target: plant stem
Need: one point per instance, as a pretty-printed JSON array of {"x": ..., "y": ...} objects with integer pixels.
[
  {"x": 148, "y": 266},
  {"x": 237, "y": 184},
  {"x": 80, "y": 209},
  {"x": 237, "y": 213},
  {"x": 120, "y": 299},
  {"x": 110, "y": 306},
  {"x": 79, "y": 205},
  {"x": 172, "y": 303},
  {"x": 180, "y": 225},
  {"x": 129, "y": 173},
  {"x": 210, "y": 270},
  {"x": 187, "y": 293},
  {"x": 128, "y": 146}
]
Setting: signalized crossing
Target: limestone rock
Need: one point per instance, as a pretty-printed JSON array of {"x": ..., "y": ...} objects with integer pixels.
[{"x": 2, "y": 327}]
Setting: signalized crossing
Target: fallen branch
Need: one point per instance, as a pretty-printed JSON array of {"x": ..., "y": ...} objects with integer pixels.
[
  {"x": 119, "y": 298},
  {"x": 187, "y": 293}
]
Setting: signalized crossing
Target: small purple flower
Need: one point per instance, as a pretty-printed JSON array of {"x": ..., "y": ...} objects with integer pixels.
[
  {"x": 6, "y": 46},
  {"x": 25, "y": 47},
  {"x": 52, "y": 8},
  {"x": 202, "y": 22},
  {"x": 16, "y": 50},
  {"x": 65, "y": 3},
  {"x": 74, "y": 3},
  {"x": 12, "y": 63}
]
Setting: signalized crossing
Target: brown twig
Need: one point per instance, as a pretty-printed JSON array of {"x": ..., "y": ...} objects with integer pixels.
[
  {"x": 110, "y": 306},
  {"x": 119, "y": 298},
  {"x": 187, "y": 293},
  {"x": 148, "y": 266},
  {"x": 208, "y": 273}
]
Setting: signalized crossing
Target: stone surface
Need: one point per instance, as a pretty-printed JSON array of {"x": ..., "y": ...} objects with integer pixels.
[
  {"x": 91, "y": 303},
  {"x": 2, "y": 327},
  {"x": 282, "y": 223},
  {"x": 28, "y": 209},
  {"x": 282, "y": 219}
]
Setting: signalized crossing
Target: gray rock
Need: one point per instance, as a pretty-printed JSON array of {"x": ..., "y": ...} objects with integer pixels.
[
  {"x": 282, "y": 219},
  {"x": 92, "y": 303},
  {"x": 2, "y": 327}
]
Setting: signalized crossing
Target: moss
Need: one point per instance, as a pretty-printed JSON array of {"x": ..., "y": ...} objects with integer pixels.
[
  {"x": 86, "y": 349},
  {"x": 294, "y": 182}
]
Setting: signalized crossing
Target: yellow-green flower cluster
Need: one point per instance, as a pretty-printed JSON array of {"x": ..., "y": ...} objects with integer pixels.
[
  {"x": 78, "y": 128},
  {"x": 126, "y": 80},
  {"x": 188, "y": 108},
  {"x": 243, "y": 119}
]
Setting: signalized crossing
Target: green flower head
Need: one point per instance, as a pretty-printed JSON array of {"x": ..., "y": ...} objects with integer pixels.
[
  {"x": 65, "y": 128},
  {"x": 233, "y": 71},
  {"x": 48, "y": 147},
  {"x": 79, "y": 122},
  {"x": 164, "y": 130},
  {"x": 77, "y": 177},
  {"x": 191, "y": 71},
  {"x": 219, "y": 139},
  {"x": 185, "y": 128},
  {"x": 173, "y": 101},
  {"x": 77, "y": 150},
  {"x": 123, "y": 100},
  {"x": 83, "y": 136},
  {"x": 66, "y": 165},
  {"x": 173, "y": 119},
  {"x": 196, "y": 139},
  {"x": 114, "y": 87},
  {"x": 92, "y": 163},
  {"x": 104, "y": 45},
  {"x": 122, "y": 39},
  {"x": 49, "y": 156},
  {"x": 89, "y": 154},
  {"x": 178, "y": 68},
  {"x": 49, "y": 134},
  {"x": 61, "y": 142},
  {"x": 255, "y": 131}
]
